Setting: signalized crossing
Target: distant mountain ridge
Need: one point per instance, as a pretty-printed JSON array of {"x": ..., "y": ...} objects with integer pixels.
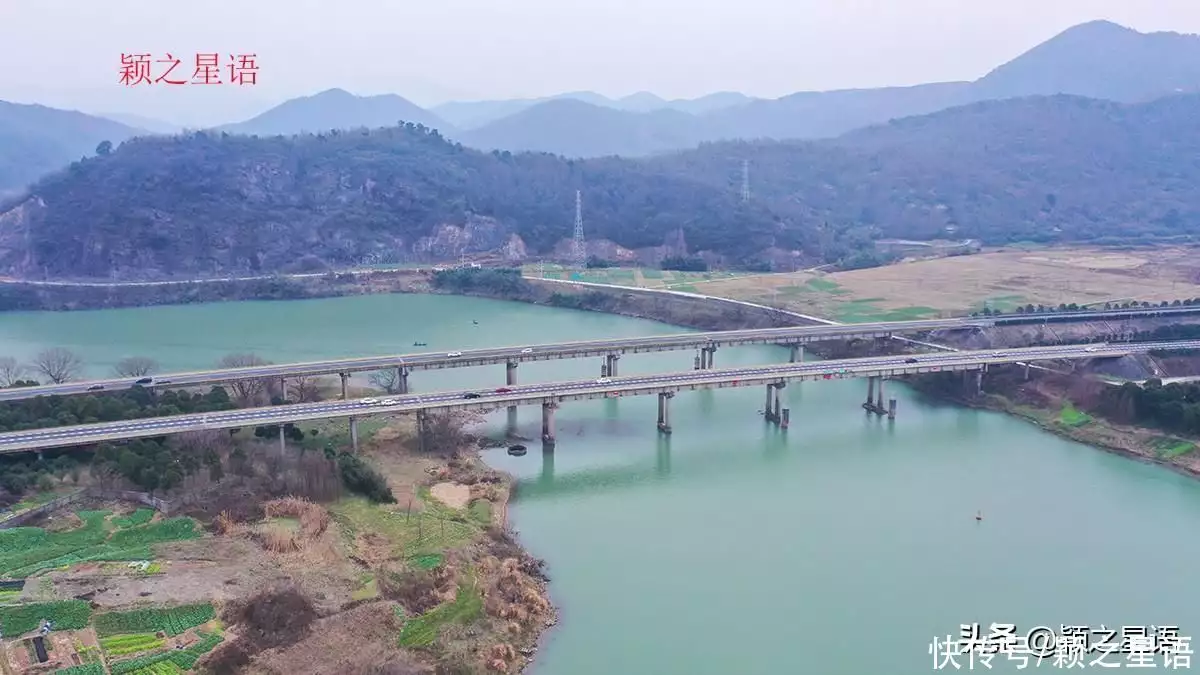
[
  {"x": 469, "y": 115},
  {"x": 36, "y": 140},
  {"x": 1098, "y": 59},
  {"x": 335, "y": 109}
]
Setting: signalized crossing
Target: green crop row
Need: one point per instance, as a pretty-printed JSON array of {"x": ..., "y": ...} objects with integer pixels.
[
  {"x": 27, "y": 550},
  {"x": 160, "y": 668},
  {"x": 66, "y": 615},
  {"x": 178, "y": 659},
  {"x": 172, "y": 621},
  {"x": 85, "y": 669},
  {"x": 131, "y": 644}
]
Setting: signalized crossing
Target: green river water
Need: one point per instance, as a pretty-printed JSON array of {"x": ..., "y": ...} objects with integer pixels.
[{"x": 730, "y": 548}]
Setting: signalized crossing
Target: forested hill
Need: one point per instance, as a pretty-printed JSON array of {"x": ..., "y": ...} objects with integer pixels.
[
  {"x": 210, "y": 203},
  {"x": 1054, "y": 169},
  {"x": 1046, "y": 169}
]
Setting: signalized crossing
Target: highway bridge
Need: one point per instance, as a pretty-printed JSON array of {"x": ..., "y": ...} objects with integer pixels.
[
  {"x": 705, "y": 343},
  {"x": 551, "y": 394}
]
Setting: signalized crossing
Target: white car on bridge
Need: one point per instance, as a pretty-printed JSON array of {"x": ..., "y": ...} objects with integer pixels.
[{"x": 369, "y": 401}]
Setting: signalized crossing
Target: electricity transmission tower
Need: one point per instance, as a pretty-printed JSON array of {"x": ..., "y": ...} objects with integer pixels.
[
  {"x": 579, "y": 248},
  {"x": 745, "y": 180}
]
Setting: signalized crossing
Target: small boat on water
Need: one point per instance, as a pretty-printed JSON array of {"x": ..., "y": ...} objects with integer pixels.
[
  {"x": 420, "y": 344},
  {"x": 517, "y": 450}
]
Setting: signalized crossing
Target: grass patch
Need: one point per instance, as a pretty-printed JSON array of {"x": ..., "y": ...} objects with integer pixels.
[
  {"x": 865, "y": 311},
  {"x": 368, "y": 590},
  {"x": 650, "y": 273},
  {"x": 1170, "y": 448},
  {"x": 1071, "y": 417},
  {"x": 480, "y": 511},
  {"x": 423, "y": 630},
  {"x": 685, "y": 288},
  {"x": 821, "y": 284},
  {"x": 337, "y": 432},
  {"x": 434, "y": 529},
  {"x": 428, "y": 561},
  {"x": 139, "y": 517}
]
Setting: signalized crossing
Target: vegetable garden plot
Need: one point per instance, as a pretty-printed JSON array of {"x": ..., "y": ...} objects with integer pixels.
[
  {"x": 171, "y": 621},
  {"x": 65, "y": 615}
]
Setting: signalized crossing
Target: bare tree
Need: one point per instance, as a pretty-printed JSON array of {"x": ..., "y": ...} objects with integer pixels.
[
  {"x": 304, "y": 388},
  {"x": 387, "y": 380},
  {"x": 135, "y": 366},
  {"x": 447, "y": 433},
  {"x": 57, "y": 364},
  {"x": 11, "y": 371},
  {"x": 245, "y": 391}
]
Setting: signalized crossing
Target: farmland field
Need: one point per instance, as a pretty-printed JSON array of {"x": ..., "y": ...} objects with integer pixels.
[{"x": 25, "y": 551}]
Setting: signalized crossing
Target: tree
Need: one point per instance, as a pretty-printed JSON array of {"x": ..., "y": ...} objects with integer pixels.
[
  {"x": 58, "y": 365},
  {"x": 245, "y": 391},
  {"x": 135, "y": 366},
  {"x": 11, "y": 371},
  {"x": 104, "y": 148},
  {"x": 304, "y": 389},
  {"x": 387, "y": 380}
]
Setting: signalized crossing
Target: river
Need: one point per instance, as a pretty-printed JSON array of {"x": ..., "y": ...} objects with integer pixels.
[{"x": 841, "y": 546}]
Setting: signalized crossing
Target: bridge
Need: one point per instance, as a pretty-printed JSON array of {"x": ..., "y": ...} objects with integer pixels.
[
  {"x": 550, "y": 395},
  {"x": 705, "y": 344}
]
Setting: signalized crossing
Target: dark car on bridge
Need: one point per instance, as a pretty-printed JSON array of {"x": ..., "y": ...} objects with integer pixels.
[
  {"x": 145, "y": 380},
  {"x": 910, "y": 360},
  {"x": 504, "y": 390},
  {"x": 470, "y": 394}
]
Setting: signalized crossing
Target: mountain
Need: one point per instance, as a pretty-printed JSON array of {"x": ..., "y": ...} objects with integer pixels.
[
  {"x": 35, "y": 140},
  {"x": 468, "y": 115},
  {"x": 577, "y": 129},
  {"x": 1100, "y": 60},
  {"x": 154, "y": 126},
  {"x": 211, "y": 203},
  {"x": 1047, "y": 169},
  {"x": 335, "y": 109},
  {"x": 1097, "y": 60}
]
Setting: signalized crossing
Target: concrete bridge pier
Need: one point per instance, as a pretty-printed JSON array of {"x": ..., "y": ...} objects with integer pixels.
[
  {"x": 1026, "y": 371},
  {"x": 786, "y": 420},
  {"x": 353, "y": 434},
  {"x": 510, "y": 379},
  {"x": 879, "y": 398},
  {"x": 283, "y": 388},
  {"x": 778, "y": 414},
  {"x": 664, "y": 411},
  {"x": 773, "y": 409},
  {"x": 797, "y": 354},
  {"x": 610, "y": 365},
  {"x": 973, "y": 382},
  {"x": 282, "y": 440},
  {"x": 769, "y": 406},
  {"x": 402, "y": 380},
  {"x": 875, "y": 391},
  {"x": 699, "y": 362},
  {"x": 870, "y": 393},
  {"x": 706, "y": 361},
  {"x": 422, "y": 430},
  {"x": 891, "y": 409},
  {"x": 344, "y": 376},
  {"x": 548, "y": 409}
]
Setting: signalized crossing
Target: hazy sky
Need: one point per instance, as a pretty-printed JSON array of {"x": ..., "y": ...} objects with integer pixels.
[{"x": 66, "y": 53}]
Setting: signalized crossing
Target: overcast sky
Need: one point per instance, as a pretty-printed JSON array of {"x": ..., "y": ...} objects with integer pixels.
[{"x": 66, "y": 53}]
